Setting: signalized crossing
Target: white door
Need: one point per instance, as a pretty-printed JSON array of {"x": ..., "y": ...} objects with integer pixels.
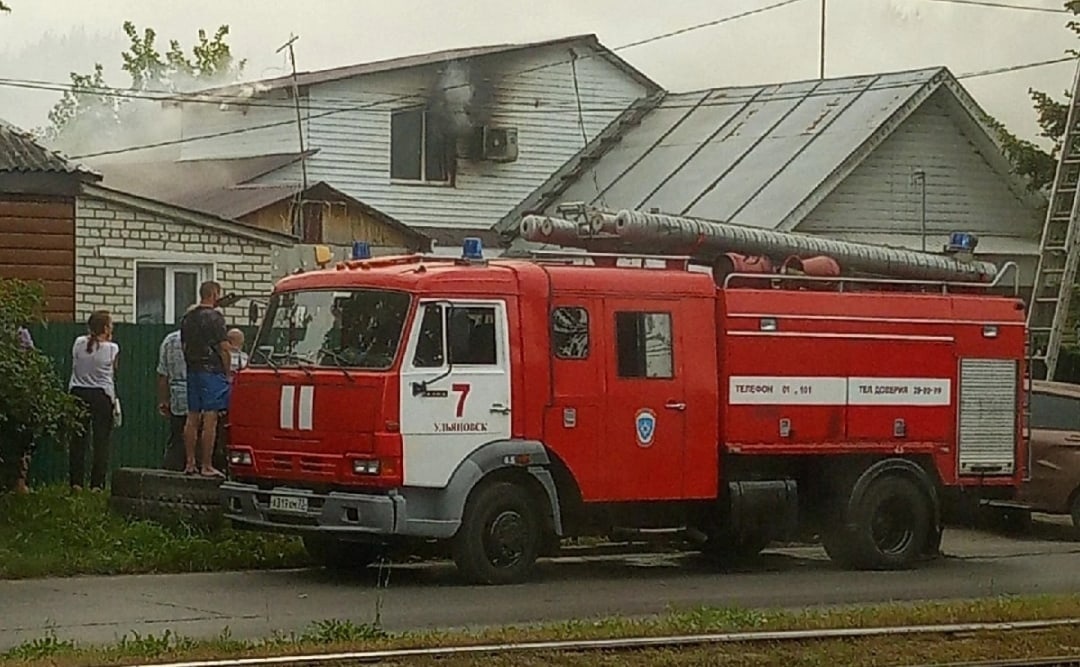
[{"x": 455, "y": 387}]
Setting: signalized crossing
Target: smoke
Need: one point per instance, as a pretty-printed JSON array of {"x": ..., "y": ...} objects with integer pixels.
[
  {"x": 461, "y": 97},
  {"x": 135, "y": 119}
]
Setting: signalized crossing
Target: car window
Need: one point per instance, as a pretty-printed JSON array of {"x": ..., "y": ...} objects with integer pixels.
[{"x": 1054, "y": 413}]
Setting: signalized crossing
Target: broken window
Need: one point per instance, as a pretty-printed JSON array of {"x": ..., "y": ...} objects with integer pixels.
[
  {"x": 570, "y": 333},
  {"x": 420, "y": 150}
]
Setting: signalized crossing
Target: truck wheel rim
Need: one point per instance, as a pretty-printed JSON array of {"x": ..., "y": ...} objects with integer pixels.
[
  {"x": 505, "y": 541},
  {"x": 892, "y": 527}
]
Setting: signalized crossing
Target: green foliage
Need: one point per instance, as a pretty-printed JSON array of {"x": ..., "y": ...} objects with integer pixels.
[
  {"x": 90, "y": 102},
  {"x": 54, "y": 532},
  {"x": 33, "y": 399},
  {"x": 1028, "y": 159}
]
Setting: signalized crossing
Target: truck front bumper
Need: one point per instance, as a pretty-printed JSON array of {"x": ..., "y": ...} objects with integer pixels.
[{"x": 292, "y": 510}]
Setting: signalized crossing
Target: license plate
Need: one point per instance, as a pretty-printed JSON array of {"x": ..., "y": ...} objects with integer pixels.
[{"x": 288, "y": 504}]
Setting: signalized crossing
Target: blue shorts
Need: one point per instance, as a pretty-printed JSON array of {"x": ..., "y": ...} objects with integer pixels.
[{"x": 207, "y": 392}]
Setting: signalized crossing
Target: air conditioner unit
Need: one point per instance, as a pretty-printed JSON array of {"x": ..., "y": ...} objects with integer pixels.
[{"x": 498, "y": 144}]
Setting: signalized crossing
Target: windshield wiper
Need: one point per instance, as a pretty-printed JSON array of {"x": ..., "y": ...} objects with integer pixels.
[
  {"x": 336, "y": 356},
  {"x": 305, "y": 366},
  {"x": 268, "y": 359}
]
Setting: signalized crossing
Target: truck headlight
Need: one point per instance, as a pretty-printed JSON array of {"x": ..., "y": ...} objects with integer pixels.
[
  {"x": 366, "y": 466},
  {"x": 240, "y": 458}
]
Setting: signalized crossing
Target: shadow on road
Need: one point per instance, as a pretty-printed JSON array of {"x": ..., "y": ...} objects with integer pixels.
[{"x": 648, "y": 567}]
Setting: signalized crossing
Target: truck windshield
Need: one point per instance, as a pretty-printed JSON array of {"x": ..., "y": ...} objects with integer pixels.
[{"x": 341, "y": 328}]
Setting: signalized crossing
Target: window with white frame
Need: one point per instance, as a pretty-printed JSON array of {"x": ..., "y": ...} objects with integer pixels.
[
  {"x": 163, "y": 292},
  {"x": 419, "y": 149}
]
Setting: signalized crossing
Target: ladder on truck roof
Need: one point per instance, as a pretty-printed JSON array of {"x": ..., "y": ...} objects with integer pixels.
[{"x": 1059, "y": 251}]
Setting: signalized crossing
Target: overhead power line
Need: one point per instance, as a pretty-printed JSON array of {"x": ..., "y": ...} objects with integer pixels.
[
  {"x": 649, "y": 40},
  {"x": 1003, "y": 5},
  {"x": 528, "y": 106},
  {"x": 793, "y": 96}
]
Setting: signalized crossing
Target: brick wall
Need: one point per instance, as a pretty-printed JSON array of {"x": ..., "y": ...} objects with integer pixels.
[{"x": 110, "y": 239}]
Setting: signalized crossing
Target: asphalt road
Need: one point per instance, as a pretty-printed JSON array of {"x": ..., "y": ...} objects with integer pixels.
[{"x": 254, "y": 604}]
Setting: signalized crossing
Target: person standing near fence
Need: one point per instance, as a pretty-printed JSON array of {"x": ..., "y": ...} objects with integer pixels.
[
  {"x": 18, "y": 441},
  {"x": 207, "y": 356},
  {"x": 93, "y": 367},
  {"x": 172, "y": 397}
]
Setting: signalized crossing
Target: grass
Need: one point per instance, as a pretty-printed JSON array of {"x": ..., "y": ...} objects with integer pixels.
[
  {"x": 337, "y": 635},
  {"x": 53, "y": 532}
]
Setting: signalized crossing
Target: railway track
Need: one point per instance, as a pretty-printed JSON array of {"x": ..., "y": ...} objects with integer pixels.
[{"x": 644, "y": 643}]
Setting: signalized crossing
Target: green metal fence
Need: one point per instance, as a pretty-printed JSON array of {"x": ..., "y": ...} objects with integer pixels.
[{"x": 140, "y": 440}]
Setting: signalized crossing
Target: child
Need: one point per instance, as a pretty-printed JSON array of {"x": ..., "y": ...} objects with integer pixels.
[{"x": 236, "y": 342}]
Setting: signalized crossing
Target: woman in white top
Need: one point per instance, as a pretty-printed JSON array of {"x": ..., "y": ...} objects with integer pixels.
[{"x": 93, "y": 365}]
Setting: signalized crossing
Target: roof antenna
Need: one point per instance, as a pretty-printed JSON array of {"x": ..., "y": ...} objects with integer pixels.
[{"x": 299, "y": 232}]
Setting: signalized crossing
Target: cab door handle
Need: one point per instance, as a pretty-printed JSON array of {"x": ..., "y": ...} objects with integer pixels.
[
  {"x": 499, "y": 408},
  {"x": 674, "y": 405}
]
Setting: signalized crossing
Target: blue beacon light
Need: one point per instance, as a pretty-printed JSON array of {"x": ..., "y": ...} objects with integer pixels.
[
  {"x": 361, "y": 250},
  {"x": 472, "y": 249}
]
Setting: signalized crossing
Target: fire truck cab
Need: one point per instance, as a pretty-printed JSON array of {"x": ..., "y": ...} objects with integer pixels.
[{"x": 498, "y": 406}]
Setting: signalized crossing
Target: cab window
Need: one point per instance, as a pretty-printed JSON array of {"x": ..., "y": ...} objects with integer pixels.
[{"x": 468, "y": 332}]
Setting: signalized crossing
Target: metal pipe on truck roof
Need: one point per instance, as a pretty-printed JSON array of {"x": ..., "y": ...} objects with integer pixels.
[
  {"x": 701, "y": 239},
  {"x": 544, "y": 229}
]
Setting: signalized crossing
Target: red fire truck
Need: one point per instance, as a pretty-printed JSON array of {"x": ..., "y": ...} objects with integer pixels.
[{"x": 496, "y": 406}]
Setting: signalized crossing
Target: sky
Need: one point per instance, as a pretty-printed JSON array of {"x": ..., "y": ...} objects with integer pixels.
[{"x": 46, "y": 39}]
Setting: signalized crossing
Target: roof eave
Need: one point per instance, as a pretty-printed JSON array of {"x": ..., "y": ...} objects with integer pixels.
[
  {"x": 264, "y": 86},
  {"x": 187, "y": 215}
]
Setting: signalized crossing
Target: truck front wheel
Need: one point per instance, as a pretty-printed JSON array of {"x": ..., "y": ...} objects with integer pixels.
[
  {"x": 500, "y": 535},
  {"x": 889, "y": 529}
]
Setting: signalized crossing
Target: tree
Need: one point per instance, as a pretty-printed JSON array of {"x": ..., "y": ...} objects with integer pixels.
[
  {"x": 33, "y": 402},
  {"x": 1027, "y": 158},
  {"x": 91, "y": 104}
]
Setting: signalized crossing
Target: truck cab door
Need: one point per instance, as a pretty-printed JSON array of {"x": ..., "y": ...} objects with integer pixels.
[
  {"x": 645, "y": 417},
  {"x": 455, "y": 387}
]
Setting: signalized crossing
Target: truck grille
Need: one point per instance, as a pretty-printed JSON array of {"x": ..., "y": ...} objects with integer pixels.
[{"x": 986, "y": 437}]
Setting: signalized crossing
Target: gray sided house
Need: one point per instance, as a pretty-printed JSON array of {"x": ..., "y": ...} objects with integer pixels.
[
  {"x": 844, "y": 158},
  {"x": 448, "y": 142}
]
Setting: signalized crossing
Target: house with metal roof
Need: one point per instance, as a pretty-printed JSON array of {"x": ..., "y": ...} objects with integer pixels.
[
  {"x": 93, "y": 246},
  {"x": 445, "y": 142},
  {"x": 898, "y": 159}
]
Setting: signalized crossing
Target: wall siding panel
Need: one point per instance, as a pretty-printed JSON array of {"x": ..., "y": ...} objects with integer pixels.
[
  {"x": 963, "y": 192},
  {"x": 354, "y": 146},
  {"x": 37, "y": 243}
]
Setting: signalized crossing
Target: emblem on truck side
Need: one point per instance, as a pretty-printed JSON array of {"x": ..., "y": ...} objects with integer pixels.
[{"x": 645, "y": 426}]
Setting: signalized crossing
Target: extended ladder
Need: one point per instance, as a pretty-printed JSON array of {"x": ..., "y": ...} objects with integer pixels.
[{"x": 1059, "y": 252}]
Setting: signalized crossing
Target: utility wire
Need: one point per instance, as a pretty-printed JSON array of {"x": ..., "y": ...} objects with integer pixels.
[
  {"x": 1002, "y": 5},
  {"x": 649, "y": 40},
  {"x": 369, "y": 106},
  {"x": 571, "y": 107},
  {"x": 615, "y": 109}
]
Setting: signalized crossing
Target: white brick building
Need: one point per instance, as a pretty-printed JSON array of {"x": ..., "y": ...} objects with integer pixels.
[{"x": 144, "y": 260}]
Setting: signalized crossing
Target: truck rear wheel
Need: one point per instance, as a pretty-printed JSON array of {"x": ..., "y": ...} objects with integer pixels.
[
  {"x": 335, "y": 554},
  {"x": 890, "y": 527},
  {"x": 500, "y": 535}
]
